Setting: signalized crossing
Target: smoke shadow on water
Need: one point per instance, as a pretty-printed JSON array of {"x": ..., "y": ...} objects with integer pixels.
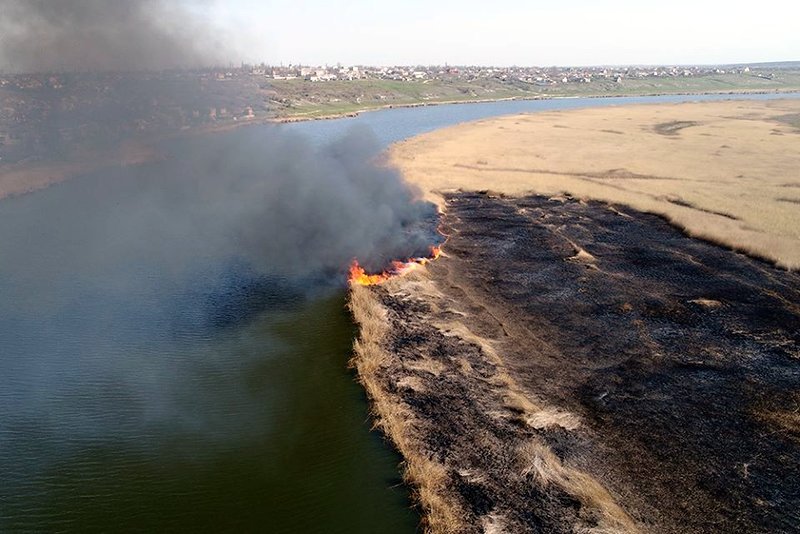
[{"x": 175, "y": 342}]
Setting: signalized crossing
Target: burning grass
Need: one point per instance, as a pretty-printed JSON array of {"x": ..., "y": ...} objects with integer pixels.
[
  {"x": 358, "y": 276},
  {"x": 393, "y": 417},
  {"x": 445, "y": 480}
]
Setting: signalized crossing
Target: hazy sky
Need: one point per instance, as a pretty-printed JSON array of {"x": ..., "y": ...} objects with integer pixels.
[
  {"x": 139, "y": 34},
  {"x": 506, "y": 32}
]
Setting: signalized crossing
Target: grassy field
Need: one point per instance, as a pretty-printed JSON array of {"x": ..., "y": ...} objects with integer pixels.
[
  {"x": 550, "y": 324},
  {"x": 306, "y": 99},
  {"x": 723, "y": 171}
]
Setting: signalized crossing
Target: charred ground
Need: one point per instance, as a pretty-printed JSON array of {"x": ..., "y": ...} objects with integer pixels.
[{"x": 572, "y": 364}]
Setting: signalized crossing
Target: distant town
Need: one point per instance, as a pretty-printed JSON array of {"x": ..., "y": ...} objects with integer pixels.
[
  {"x": 542, "y": 76},
  {"x": 49, "y": 114}
]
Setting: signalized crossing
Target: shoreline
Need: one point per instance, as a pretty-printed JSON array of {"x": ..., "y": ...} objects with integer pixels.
[
  {"x": 722, "y": 170},
  {"x": 302, "y": 118},
  {"x": 19, "y": 179}
]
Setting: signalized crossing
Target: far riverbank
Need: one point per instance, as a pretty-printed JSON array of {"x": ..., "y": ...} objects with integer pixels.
[
  {"x": 317, "y": 115},
  {"x": 23, "y": 178}
]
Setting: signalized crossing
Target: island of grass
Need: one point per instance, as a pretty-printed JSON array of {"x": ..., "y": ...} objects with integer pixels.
[{"x": 576, "y": 360}]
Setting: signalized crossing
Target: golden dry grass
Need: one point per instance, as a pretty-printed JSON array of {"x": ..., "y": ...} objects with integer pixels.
[
  {"x": 425, "y": 475},
  {"x": 728, "y": 172},
  {"x": 428, "y": 477},
  {"x": 539, "y": 461}
]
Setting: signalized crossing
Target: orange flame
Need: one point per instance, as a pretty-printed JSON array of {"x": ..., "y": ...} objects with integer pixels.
[{"x": 358, "y": 276}]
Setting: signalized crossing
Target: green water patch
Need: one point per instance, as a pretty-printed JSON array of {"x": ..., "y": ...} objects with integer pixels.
[{"x": 303, "y": 460}]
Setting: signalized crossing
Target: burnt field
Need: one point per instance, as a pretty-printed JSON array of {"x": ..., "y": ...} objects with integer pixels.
[{"x": 571, "y": 365}]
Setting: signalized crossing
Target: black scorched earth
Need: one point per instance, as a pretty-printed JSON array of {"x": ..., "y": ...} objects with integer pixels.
[{"x": 573, "y": 365}]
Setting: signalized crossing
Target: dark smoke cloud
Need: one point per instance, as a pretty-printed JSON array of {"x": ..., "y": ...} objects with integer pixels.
[
  {"x": 261, "y": 198},
  {"x": 105, "y": 35},
  {"x": 278, "y": 204},
  {"x": 132, "y": 280}
]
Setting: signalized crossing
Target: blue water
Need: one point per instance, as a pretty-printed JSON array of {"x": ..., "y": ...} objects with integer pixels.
[
  {"x": 148, "y": 382},
  {"x": 396, "y": 124}
]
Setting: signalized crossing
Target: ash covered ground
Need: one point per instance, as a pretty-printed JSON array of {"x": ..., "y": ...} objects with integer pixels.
[{"x": 574, "y": 365}]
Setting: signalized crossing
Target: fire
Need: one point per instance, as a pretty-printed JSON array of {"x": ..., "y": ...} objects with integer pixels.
[{"x": 358, "y": 276}]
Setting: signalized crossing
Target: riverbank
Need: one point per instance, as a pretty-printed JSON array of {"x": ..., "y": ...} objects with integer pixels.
[
  {"x": 723, "y": 171},
  {"x": 572, "y": 366},
  {"x": 21, "y": 178},
  {"x": 27, "y": 177},
  {"x": 321, "y": 114},
  {"x": 299, "y": 97}
]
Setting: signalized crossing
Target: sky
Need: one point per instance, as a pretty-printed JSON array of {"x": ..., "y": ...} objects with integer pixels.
[
  {"x": 508, "y": 32},
  {"x": 45, "y": 35}
]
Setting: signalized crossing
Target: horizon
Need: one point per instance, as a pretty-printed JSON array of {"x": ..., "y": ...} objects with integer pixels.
[
  {"x": 81, "y": 35},
  {"x": 243, "y": 64}
]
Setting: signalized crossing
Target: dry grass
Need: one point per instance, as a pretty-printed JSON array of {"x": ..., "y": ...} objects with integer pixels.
[
  {"x": 785, "y": 422},
  {"x": 426, "y": 476},
  {"x": 720, "y": 176},
  {"x": 539, "y": 462},
  {"x": 552, "y": 417},
  {"x": 532, "y": 413},
  {"x": 431, "y": 480},
  {"x": 493, "y": 524}
]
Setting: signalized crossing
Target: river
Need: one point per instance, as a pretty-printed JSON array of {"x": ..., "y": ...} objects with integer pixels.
[{"x": 149, "y": 387}]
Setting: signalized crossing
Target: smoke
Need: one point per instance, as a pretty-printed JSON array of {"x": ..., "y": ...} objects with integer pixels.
[
  {"x": 259, "y": 199},
  {"x": 116, "y": 281},
  {"x": 275, "y": 203},
  {"x": 106, "y": 35},
  {"x": 129, "y": 293}
]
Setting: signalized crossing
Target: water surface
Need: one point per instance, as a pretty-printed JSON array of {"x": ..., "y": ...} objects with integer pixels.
[{"x": 146, "y": 385}]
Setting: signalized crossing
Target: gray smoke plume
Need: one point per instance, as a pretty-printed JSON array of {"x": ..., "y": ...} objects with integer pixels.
[
  {"x": 102, "y": 274},
  {"x": 105, "y": 35},
  {"x": 277, "y": 204},
  {"x": 117, "y": 280},
  {"x": 262, "y": 199}
]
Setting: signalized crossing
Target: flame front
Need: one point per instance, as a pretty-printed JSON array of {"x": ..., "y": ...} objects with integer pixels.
[{"x": 358, "y": 276}]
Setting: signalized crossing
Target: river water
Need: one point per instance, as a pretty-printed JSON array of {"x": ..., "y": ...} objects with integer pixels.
[{"x": 145, "y": 387}]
